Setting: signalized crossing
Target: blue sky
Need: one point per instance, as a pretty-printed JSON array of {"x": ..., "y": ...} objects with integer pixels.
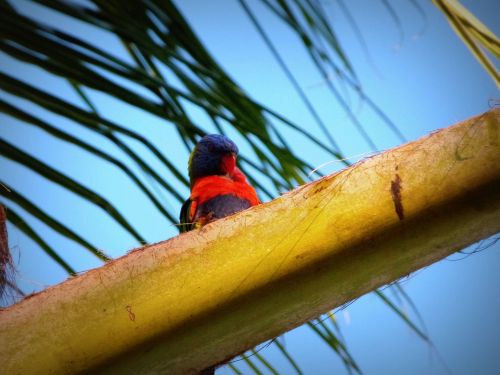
[{"x": 423, "y": 77}]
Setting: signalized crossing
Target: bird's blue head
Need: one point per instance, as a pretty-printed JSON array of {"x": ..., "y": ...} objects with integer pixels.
[{"x": 214, "y": 154}]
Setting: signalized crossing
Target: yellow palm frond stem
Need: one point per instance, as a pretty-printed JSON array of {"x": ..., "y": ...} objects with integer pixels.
[{"x": 205, "y": 296}]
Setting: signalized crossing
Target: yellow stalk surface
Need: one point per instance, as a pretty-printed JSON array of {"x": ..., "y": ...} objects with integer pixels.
[{"x": 197, "y": 299}]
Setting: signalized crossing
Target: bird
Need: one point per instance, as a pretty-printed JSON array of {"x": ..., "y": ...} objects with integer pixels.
[{"x": 218, "y": 187}]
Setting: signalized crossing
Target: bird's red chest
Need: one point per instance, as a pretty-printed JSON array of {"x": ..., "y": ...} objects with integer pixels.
[{"x": 207, "y": 188}]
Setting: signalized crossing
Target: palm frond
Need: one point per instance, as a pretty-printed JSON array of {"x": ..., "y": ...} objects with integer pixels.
[
  {"x": 473, "y": 33},
  {"x": 10, "y": 151},
  {"x": 10, "y": 194},
  {"x": 287, "y": 355},
  {"x": 402, "y": 315},
  {"x": 24, "y": 227},
  {"x": 204, "y": 82},
  {"x": 6, "y": 266}
]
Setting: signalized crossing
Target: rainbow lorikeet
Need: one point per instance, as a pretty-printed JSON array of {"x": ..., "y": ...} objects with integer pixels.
[{"x": 218, "y": 187}]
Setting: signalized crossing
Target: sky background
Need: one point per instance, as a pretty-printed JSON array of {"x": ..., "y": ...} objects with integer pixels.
[{"x": 422, "y": 76}]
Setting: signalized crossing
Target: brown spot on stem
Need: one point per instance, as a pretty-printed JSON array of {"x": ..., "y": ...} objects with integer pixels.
[
  {"x": 131, "y": 315},
  {"x": 396, "y": 196},
  {"x": 319, "y": 188}
]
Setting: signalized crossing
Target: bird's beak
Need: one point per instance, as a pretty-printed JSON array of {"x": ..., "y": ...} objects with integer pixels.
[{"x": 228, "y": 163}]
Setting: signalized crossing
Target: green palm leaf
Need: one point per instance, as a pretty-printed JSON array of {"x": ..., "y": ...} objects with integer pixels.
[{"x": 24, "y": 227}]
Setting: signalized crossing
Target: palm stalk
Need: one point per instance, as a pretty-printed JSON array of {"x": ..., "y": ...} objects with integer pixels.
[{"x": 318, "y": 247}]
